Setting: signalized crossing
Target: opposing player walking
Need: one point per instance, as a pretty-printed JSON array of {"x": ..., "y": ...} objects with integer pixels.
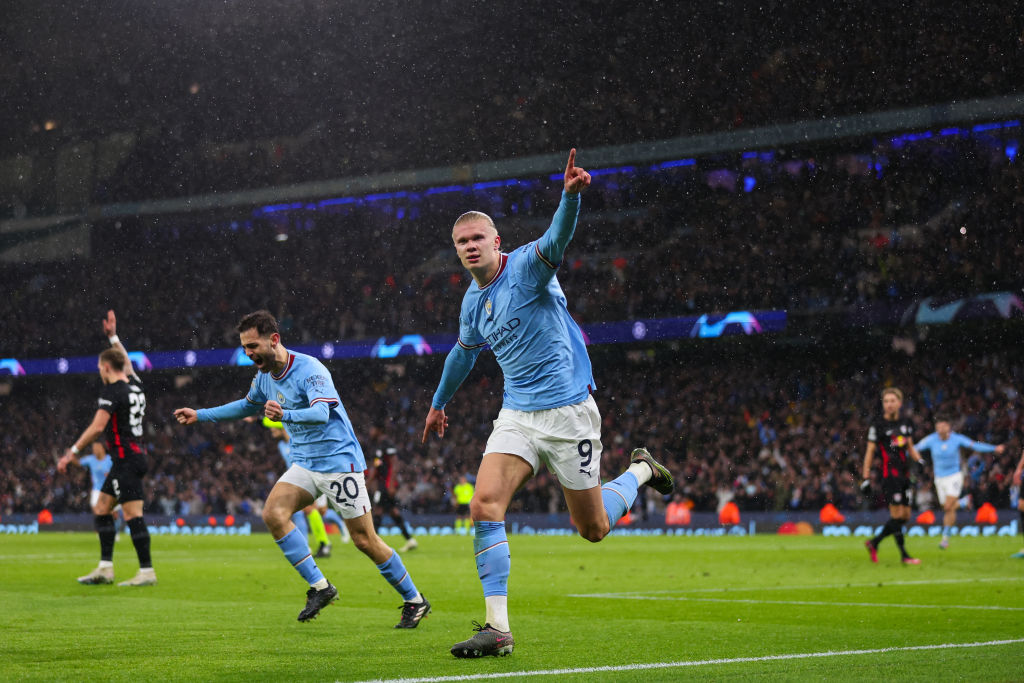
[
  {"x": 122, "y": 406},
  {"x": 893, "y": 437},
  {"x": 516, "y": 306},
  {"x": 297, "y": 390}
]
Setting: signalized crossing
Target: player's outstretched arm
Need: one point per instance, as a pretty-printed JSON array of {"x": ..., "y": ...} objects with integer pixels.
[
  {"x": 91, "y": 433},
  {"x": 554, "y": 241},
  {"x": 457, "y": 365},
  {"x": 235, "y": 410},
  {"x": 110, "y": 329}
]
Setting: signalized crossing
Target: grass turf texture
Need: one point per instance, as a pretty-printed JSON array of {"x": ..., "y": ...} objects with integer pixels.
[{"x": 225, "y": 609}]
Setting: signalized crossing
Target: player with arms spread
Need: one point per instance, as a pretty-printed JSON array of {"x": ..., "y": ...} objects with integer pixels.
[
  {"x": 516, "y": 306},
  {"x": 297, "y": 390},
  {"x": 122, "y": 406},
  {"x": 944, "y": 445},
  {"x": 893, "y": 437}
]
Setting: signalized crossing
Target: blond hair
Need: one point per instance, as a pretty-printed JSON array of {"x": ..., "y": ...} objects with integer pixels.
[
  {"x": 894, "y": 391},
  {"x": 474, "y": 216}
]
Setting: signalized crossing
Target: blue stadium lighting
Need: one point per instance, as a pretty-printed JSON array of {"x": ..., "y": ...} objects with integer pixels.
[
  {"x": 749, "y": 155},
  {"x": 274, "y": 208},
  {"x": 445, "y": 189},
  {"x": 950, "y": 131},
  {"x": 749, "y": 183},
  {"x": 384, "y": 195},
  {"x": 674, "y": 164},
  {"x": 497, "y": 183},
  {"x": 1011, "y": 150},
  {"x": 986, "y": 126},
  {"x": 336, "y": 202}
]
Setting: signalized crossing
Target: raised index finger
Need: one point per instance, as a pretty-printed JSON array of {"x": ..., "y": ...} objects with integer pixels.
[{"x": 572, "y": 160}]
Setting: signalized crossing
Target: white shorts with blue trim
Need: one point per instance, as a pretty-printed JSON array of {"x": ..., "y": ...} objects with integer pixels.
[
  {"x": 566, "y": 439},
  {"x": 345, "y": 491}
]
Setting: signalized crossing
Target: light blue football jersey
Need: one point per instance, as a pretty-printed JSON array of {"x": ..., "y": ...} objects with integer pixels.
[
  {"x": 946, "y": 454},
  {"x": 98, "y": 469},
  {"x": 330, "y": 447},
  {"x": 522, "y": 315}
]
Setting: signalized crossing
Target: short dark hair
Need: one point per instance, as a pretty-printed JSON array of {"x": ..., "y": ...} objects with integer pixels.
[
  {"x": 114, "y": 358},
  {"x": 262, "y": 321},
  {"x": 943, "y": 417}
]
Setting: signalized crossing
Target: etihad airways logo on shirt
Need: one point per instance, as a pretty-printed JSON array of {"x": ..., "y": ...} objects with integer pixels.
[{"x": 503, "y": 333}]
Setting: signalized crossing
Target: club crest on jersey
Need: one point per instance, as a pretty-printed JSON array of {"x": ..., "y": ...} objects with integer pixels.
[
  {"x": 280, "y": 398},
  {"x": 488, "y": 307}
]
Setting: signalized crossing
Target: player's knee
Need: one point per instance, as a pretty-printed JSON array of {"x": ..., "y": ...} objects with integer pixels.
[
  {"x": 275, "y": 517},
  {"x": 483, "y": 510},
  {"x": 594, "y": 532}
]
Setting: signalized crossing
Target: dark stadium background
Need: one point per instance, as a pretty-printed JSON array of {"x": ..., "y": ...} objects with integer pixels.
[{"x": 180, "y": 162}]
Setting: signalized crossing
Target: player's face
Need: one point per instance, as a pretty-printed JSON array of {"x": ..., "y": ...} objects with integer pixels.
[
  {"x": 891, "y": 405},
  {"x": 98, "y": 450},
  {"x": 260, "y": 350},
  {"x": 477, "y": 244},
  {"x": 943, "y": 429}
]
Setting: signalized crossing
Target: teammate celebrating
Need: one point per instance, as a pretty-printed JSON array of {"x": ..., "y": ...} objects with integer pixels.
[
  {"x": 122, "y": 405},
  {"x": 892, "y": 436},
  {"x": 516, "y": 306},
  {"x": 945, "y": 445},
  {"x": 297, "y": 390}
]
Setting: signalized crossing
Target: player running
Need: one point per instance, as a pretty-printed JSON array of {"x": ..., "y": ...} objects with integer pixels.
[
  {"x": 892, "y": 436},
  {"x": 947, "y": 467},
  {"x": 516, "y": 306},
  {"x": 297, "y": 390},
  {"x": 122, "y": 406}
]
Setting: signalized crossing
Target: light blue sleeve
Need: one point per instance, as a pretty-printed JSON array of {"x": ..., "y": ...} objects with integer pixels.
[
  {"x": 316, "y": 414},
  {"x": 976, "y": 446},
  {"x": 552, "y": 244},
  {"x": 235, "y": 410},
  {"x": 457, "y": 365},
  {"x": 924, "y": 444}
]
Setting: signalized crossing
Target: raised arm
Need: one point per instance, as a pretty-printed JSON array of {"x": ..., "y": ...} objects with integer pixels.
[
  {"x": 110, "y": 329},
  {"x": 554, "y": 241}
]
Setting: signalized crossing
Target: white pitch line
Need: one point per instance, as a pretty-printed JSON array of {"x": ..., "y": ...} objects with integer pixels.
[
  {"x": 871, "y": 584},
  {"x": 811, "y": 603},
  {"x": 704, "y": 662}
]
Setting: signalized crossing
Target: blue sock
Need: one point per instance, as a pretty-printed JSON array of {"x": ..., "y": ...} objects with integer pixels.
[
  {"x": 945, "y": 531},
  {"x": 299, "y": 520},
  {"x": 394, "y": 571},
  {"x": 332, "y": 516},
  {"x": 493, "y": 561},
  {"x": 618, "y": 496},
  {"x": 294, "y": 546}
]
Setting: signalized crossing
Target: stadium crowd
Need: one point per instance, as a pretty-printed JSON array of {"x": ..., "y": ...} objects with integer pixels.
[
  {"x": 219, "y": 100},
  {"x": 768, "y": 425},
  {"x": 887, "y": 226}
]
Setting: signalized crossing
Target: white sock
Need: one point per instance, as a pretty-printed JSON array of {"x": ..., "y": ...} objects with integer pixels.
[
  {"x": 320, "y": 585},
  {"x": 642, "y": 471},
  {"x": 106, "y": 564},
  {"x": 418, "y": 599},
  {"x": 497, "y": 612}
]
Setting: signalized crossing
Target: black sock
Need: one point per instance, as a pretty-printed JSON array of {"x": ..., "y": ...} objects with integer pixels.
[
  {"x": 890, "y": 528},
  {"x": 140, "y": 537},
  {"x": 400, "y": 521},
  {"x": 898, "y": 535},
  {"x": 107, "y": 531}
]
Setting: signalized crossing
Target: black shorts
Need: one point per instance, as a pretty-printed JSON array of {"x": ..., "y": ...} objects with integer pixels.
[
  {"x": 124, "y": 482},
  {"x": 384, "y": 501},
  {"x": 897, "y": 491},
  {"x": 462, "y": 509}
]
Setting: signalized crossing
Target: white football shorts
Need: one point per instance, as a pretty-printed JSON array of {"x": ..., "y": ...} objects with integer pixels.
[
  {"x": 566, "y": 439},
  {"x": 345, "y": 491},
  {"x": 949, "y": 486}
]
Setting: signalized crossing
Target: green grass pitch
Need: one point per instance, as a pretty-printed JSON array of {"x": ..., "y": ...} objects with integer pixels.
[{"x": 764, "y": 607}]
